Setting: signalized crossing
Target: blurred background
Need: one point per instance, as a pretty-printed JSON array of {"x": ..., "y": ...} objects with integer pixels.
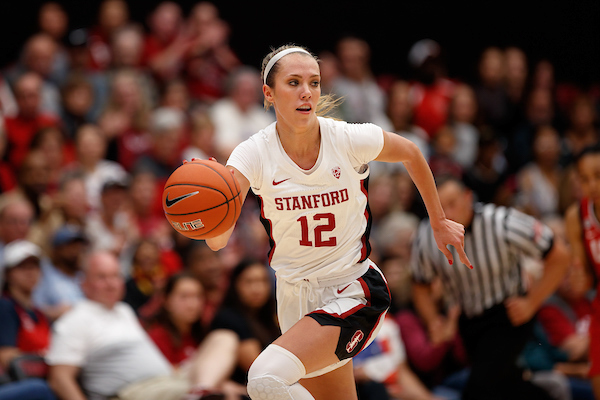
[{"x": 565, "y": 32}]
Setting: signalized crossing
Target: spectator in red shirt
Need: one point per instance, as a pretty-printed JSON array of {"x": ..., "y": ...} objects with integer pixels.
[
  {"x": 126, "y": 116},
  {"x": 565, "y": 317},
  {"x": 178, "y": 333},
  {"x": 167, "y": 43},
  {"x": 432, "y": 91},
  {"x": 8, "y": 179},
  {"x": 21, "y": 128},
  {"x": 25, "y": 330},
  {"x": 433, "y": 353},
  {"x": 112, "y": 15},
  {"x": 210, "y": 59}
]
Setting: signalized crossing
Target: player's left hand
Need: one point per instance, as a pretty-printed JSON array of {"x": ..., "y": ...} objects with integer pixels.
[
  {"x": 519, "y": 310},
  {"x": 451, "y": 233}
]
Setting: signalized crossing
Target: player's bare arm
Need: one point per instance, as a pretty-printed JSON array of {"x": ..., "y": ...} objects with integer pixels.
[
  {"x": 218, "y": 242},
  {"x": 446, "y": 232}
]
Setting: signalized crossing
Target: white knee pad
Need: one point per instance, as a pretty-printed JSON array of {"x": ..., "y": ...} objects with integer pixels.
[{"x": 274, "y": 375}]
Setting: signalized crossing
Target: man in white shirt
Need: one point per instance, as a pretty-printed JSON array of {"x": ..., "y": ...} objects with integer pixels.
[{"x": 101, "y": 344}]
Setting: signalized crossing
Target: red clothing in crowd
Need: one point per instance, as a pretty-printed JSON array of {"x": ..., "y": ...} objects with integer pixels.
[
  {"x": 560, "y": 322},
  {"x": 421, "y": 353},
  {"x": 19, "y": 133},
  {"x": 431, "y": 104},
  {"x": 176, "y": 353}
]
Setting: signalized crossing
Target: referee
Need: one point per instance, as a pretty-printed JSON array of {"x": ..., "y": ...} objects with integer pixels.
[{"x": 497, "y": 306}]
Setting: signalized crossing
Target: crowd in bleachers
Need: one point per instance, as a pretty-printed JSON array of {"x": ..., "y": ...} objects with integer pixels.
[{"x": 94, "y": 120}]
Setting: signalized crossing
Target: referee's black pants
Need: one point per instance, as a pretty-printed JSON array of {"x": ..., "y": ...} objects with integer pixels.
[{"x": 493, "y": 345}]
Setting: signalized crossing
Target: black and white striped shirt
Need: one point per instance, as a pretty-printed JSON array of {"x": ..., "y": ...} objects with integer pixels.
[{"x": 495, "y": 243}]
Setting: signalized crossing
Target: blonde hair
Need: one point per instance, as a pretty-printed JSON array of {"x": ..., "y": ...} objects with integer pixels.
[{"x": 327, "y": 102}]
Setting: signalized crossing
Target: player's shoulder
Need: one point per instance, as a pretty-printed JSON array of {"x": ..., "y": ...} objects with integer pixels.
[{"x": 263, "y": 137}]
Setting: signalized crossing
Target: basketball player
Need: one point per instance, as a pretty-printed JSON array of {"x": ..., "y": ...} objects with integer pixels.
[
  {"x": 583, "y": 234},
  {"x": 310, "y": 176}
]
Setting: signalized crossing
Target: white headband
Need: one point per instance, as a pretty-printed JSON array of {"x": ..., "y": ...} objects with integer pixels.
[{"x": 279, "y": 56}]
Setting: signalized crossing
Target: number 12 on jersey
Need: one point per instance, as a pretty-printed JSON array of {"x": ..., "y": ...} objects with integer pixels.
[{"x": 318, "y": 231}]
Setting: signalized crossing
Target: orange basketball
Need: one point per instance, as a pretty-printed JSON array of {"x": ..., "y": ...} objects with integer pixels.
[{"x": 201, "y": 199}]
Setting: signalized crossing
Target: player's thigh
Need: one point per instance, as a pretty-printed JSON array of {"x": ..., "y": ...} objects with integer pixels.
[
  {"x": 338, "y": 384},
  {"x": 312, "y": 343}
]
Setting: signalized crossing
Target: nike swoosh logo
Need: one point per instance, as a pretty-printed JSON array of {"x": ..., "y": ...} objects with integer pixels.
[
  {"x": 341, "y": 290},
  {"x": 171, "y": 202},
  {"x": 277, "y": 183}
]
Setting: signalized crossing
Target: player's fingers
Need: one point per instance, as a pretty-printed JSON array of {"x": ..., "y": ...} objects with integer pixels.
[
  {"x": 212, "y": 159},
  {"x": 448, "y": 255},
  {"x": 463, "y": 258},
  {"x": 184, "y": 161}
]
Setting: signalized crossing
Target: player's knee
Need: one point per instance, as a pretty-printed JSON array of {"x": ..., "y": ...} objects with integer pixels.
[{"x": 273, "y": 372}]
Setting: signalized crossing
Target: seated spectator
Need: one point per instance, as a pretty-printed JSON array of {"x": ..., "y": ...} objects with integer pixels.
[
  {"x": 442, "y": 160},
  {"x": 582, "y": 129},
  {"x": 146, "y": 203},
  {"x": 167, "y": 128},
  {"x": 489, "y": 174},
  {"x": 400, "y": 112},
  {"x": 565, "y": 318},
  {"x": 69, "y": 206},
  {"x": 437, "y": 352},
  {"x": 538, "y": 181},
  {"x": 53, "y": 20},
  {"x": 33, "y": 179},
  {"x": 462, "y": 117},
  {"x": 21, "y": 128},
  {"x": 126, "y": 116},
  {"x": 492, "y": 98},
  {"x": 175, "y": 94},
  {"x": 77, "y": 96},
  {"x": 148, "y": 276},
  {"x": 166, "y": 44},
  {"x": 16, "y": 217},
  {"x": 91, "y": 145},
  {"x": 8, "y": 180},
  {"x": 179, "y": 334},
  {"x": 39, "y": 56},
  {"x": 99, "y": 349},
  {"x": 202, "y": 137},
  {"x": 59, "y": 289},
  {"x": 356, "y": 83},
  {"x": 384, "y": 362},
  {"x": 207, "y": 266},
  {"x": 210, "y": 59},
  {"x": 25, "y": 330},
  {"x": 239, "y": 114},
  {"x": 432, "y": 90},
  {"x": 248, "y": 309},
  {"x": 113, "y": 228},
  {"x": 112, "y": 14},
  {"x": 58, "y": 150}
]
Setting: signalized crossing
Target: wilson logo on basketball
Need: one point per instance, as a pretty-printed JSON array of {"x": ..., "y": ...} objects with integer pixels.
[
  {"x": 337, "y": 172},
  {"x": 188, "y": 226},
  {"x": 356, "y": 338}
]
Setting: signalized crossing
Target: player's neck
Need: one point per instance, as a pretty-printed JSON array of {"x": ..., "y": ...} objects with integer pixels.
[{"x": 302, "y": 146}]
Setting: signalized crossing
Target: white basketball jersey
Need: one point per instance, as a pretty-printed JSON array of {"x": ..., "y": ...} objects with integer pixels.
[{"x": 318, "y": 221}]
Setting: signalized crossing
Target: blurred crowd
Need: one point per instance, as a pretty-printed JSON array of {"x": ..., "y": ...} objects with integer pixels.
[{"x": 94, "y": 120}]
